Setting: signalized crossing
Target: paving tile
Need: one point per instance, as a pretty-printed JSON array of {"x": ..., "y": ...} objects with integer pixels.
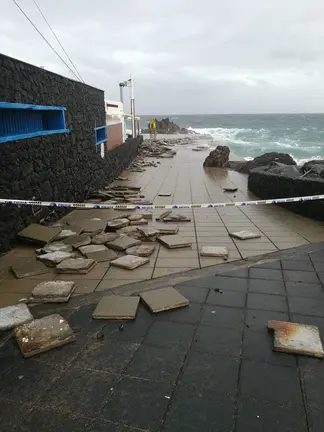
[
  {"x": 207, "y": 372},
  {"x": 193, "y": 294},
  {"x": 225, "y": 341},
  {"x": 107, "y": 426},
  {"x": 48, "y": 420},
  {"x": 176, "y": 262},
  {"x": 300, "y": 276},
  {"x": 80, "y": 391},
  {"x": 107, "y": 284},
  {"x": 226, "y": 298},
  {"x": 268, "y": 274},
  {"x": 258, "y": 346},
  {"x": 267, "y": 302},
  {"x": 262, "y": 381},
  {"x": 170, "y": 335},
  {"x": 291, "y": 264},
  {"x": 316, "y": 420},
  {"x": 107, "y": 355},
  {"x": 274, "y": 265},
  {"x": 256, "y": 415},
  {"x": 319, "y": 266},
  {"x": 240, "y": 273},
  {"x": 116, "y": 308},
  {"x": 39, "y": 233},
  {"x": 317, "y": 256},
  {"x": 313, "y": 381},
  {"x": 304, "y": 290},
  {"x": 138, "y": 403},
  {"x": 11, "y": 414},
  {"x": 10, "y": 356},
  {"x": 159, "y": 272},
  {"x": 306, "y": 306},
  {"x": 189, "y": 314},
  {"x": 156, "y": 364},
  {"x": 141, "y": 273},
  {"x": 258, "y": 319},
  {"x": 37, "y": 377},
  {"x": 263, "y": 286},
  {"x": 217, "y": 316},
  {"x": 203, "y": 411},
  {"x": 86, "y": 286}
]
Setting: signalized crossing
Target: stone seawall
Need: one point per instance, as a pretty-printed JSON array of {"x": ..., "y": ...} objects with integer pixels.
[{"x": 57, "y": 167}]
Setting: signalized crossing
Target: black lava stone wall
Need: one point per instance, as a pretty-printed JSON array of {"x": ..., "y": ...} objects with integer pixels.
[
  {"x": 268, "y": 186},
  {"x": 58, "y": 167}
]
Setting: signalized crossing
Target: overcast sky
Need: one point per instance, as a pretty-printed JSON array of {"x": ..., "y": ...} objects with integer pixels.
[{"x": 187, "y": 56}]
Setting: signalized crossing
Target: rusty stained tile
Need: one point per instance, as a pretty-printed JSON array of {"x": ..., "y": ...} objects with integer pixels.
[
  {"x": 43, "y": 334},
  {"x": 296, "y": 338}
]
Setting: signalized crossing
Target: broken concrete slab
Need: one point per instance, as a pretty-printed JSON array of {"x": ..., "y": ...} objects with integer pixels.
[
  {"x": 296, "y": 338},
  {"x": 103, "y": 238},
  {"x": 43, "y": 334},
  {"x": 139, "y": 222},
  {"x": 147, "y": 215},
  {"x": 164, "y": 215},
  {"x": 174, "y": 242},
  {"x": 168, "y": 229},
  {"x": 213, "y": 251},
  {"x": 118, "y": 223},
  {"x": 148, "y": 232},
  {"x": 141, "y": 251},
  {"x": 177, "y": 218},
  {"x": 163, "y": 299},
  {"x": 53, "y": 258},
  {"x": 129, "y": 262},
  {"x": 116, "y": 308},
  {"x": 78, "y": 240},
  {"x": 230, "y": 189},
  {"x": 135, "y": 217},
  {"x": 99, "y": 253},
  {"x": 165, "y": 194},
  {"x": 30, "y": 268},
  {"x": 13, "y": 316},
  {"x": 52, "y": 292},
  {"x": 93, "y": 226},
  {"x": 56, "y": 246},
  {"x": 76, "y": 266},
  {"x": 65, "y": 234},
  {"x": 39, "y": 233},
  {"x": 123, "y": 243},
  {"x": 244, "y": 235}
]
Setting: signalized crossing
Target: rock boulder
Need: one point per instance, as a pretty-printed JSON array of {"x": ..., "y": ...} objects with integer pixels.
[
  {"x": 263, "y": 160},
  {"x": 217, "y": 158}
]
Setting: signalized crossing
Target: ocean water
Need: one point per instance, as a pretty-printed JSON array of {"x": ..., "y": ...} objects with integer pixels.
[{"x": 248, "y": 136}]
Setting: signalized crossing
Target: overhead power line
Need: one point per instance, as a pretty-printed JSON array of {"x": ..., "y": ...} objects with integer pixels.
[
  {"x": 73, "y": 65},
  {"x": 43, "y": 37}
]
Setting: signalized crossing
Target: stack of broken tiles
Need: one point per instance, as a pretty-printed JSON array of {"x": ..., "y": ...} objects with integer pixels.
[
  {"x": 174, "y": 242},
  {"x": 129, "y": 262},
  {"x": 99, "y": 253},
  {"x": 52, "y": 292},
  {"x": 148, "y": 234}
]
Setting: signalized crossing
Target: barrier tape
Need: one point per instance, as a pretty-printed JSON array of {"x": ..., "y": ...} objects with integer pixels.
[{"x": 166, "y": 206}]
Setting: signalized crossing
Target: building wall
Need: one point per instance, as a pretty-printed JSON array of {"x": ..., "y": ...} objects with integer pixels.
[
  {"x": 61, "y": 167},
  {"x": 115, "y": 136}
]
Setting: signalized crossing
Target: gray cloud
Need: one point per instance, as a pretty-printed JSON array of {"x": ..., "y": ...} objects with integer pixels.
[{"x": 209, "y": 56}]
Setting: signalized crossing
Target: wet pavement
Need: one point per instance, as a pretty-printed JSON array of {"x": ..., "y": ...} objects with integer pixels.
[{"x": 206, "y": 367}]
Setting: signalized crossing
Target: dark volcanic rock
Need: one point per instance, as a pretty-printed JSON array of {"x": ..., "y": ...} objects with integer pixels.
[
  {"x": 263, "y": 160},
  {"x": 313, "y": 169},
  {"x": 166, "y": 126},
  {"x": 217, "y": 158}
]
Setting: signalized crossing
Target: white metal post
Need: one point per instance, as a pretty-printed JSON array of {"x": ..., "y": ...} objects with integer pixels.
[{"x": 133, "y": 107}]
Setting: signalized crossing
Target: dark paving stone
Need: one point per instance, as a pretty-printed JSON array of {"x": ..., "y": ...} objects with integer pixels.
[
  {"x": 107, "y": 355},
  {"x": 36, "y": 378},
  {"x": 11, "y": 414},
  {"x": 319, "y": 266},
  {"x": 321, "y": 277},
  {"x": 83, "y": 318},
  {"x": 317, "y": 256},
  {"x": 208, "y": 372},
  {"x": 258, "y": 320},
  {"x": 193, "y": 294},
  {"x": 101, "y": 426},
  {"x": 203, "y": 411},
  {"x": 227, "y": 298},
  {"x": 10, "y": 356},
  {"x": 205, "y": 282},
  {"x": 188, "y": 314},
  {"x": 268, "y": 274},
  {"x": 52, "y": 421},
  {"x": 279, "y": 384},
  {"x": 306, "y": 306},
  {"x": 300, "y": 276},
  {"x": 313, "y": 386},
  {"x": 138, "y": 403},
  {"x": 274, "y": 265},
  {"x": 170, "y": 335},
  {"x": 131, "y": 331},
  {"x": 240, "y": 273},
  {"x": 292, "y": 264},
  {"x": 218, "y": 316},
  {"x": 267, "y": 302},
  {"x": 257, "y": 416},
  {"x": 304, "y": 290},
  {"x": 263, "y": 286},
  {"x": 80, "y": 391},
  {"x": 258, "y": 346},
  {"x": 156, "y": 364},
  {"x": 316, "y": 419},
  {"x": 231, "y": 283},
  {"x": 218, "y": 341}
]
